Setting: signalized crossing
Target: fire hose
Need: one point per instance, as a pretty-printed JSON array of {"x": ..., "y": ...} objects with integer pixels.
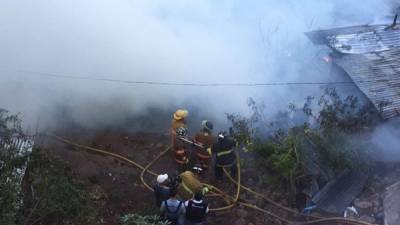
[
  {"x": 319, "y": 220},
  {"x": 146, "y": 169},
  {"x": 237, "y": 183},
  {"x": 220, "y": 193}
]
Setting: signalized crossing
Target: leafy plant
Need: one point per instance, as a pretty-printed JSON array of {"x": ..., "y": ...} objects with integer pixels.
[
  {"x": 243, "y": 129},
  {"x": 339, "y": 150},
  {"x": 136, "y": 219},
  {"x": 340, "y": 121},
  {"x": 282, "y": 157},
  {"x": 330, "y": 127},
  {"x": 58, "y": 197},
  {"x": 11, "y": 160},
  {"x": 346, "y": 114}
]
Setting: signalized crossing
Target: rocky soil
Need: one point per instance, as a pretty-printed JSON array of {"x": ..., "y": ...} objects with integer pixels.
[{"x": 370, "y": 203}]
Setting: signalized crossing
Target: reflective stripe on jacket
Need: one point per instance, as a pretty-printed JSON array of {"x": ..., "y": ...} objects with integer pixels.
[
  {"x": 219, "y": 154},
  {"x": 223, "y": 150}
]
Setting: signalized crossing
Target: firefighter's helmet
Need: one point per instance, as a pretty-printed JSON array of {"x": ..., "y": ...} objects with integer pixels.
[{"x": 207, "y": 125}]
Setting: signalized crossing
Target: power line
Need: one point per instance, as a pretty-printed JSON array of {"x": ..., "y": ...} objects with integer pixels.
[{"x": 157, "y": 83}]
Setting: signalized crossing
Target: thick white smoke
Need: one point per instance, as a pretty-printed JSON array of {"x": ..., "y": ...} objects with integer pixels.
[
  {"x": 384, "y": 141},
  {"x": 167, "y": 41}
]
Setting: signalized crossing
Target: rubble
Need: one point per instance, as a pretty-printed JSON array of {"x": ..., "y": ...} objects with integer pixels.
[
  {"x": 362, "y": 204},
  {"x": 337, "y": 195},
  {"x": 368, "y": 219},
  {"x": 391, "y": 205},
  {"x": 351, "y": 212}
]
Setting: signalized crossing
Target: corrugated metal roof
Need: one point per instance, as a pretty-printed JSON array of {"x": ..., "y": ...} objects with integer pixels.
[
  {"x": 370, "y": 55},
  {"x": 337, "y": 195},
  {"x": 23, "y": 146},
  {"x": 378, "y": 77}
]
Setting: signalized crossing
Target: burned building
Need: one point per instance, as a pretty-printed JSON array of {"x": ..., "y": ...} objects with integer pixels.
[{"x": 369, "y": 55}]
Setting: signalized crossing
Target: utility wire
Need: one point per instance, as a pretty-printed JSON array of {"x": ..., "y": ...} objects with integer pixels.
[{"x": 157, "y": 83}]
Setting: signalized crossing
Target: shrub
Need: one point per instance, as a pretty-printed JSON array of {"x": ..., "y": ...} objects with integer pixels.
[
  {"x": 283, "y": 157},
  {"x": 59, "y": 198},
  {"x": 10, "y": 161},
  {"x": 330, "y": 128},
  {"x": 136, "y": 219}
]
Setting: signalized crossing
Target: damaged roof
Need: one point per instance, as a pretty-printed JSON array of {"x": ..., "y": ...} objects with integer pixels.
[
  {"x": 369, "y": 54},
  {"x": 338, "y": 194}
]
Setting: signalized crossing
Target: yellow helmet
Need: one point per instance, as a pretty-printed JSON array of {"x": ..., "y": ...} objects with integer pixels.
[{"x": 180, "y": 114}]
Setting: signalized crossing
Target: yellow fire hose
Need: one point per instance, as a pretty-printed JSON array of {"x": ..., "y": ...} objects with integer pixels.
[
  {"x": 237, "y": 189},
  {"x": 269, "y": 200},
  {"x": 101, "y": 152},
  {"x": 207, "y": 185},
  {"x": 220, "y": 193},
  {"x": 144, "y": 169}
]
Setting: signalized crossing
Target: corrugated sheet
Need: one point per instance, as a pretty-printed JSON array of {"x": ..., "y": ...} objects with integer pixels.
[
  {"x": 378, "y": 77},
  {"x": 337, "y": 195},
  {"x": 358, "y": 40},
  {"x": 370, "y": 56},
  {"x": 23, "y": 146}
]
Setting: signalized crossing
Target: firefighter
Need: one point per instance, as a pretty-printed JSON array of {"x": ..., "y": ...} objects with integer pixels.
[
  {"x": 179, "y": 120},
  {"x": 178, "y": 129},
  {"x": 189, "y": 185},
  {"x": 207, "y": 139},
  {"x": 181, "y": 149},
  {"x": 224, "y": 156}
]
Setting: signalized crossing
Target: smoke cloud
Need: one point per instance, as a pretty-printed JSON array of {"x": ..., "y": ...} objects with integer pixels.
[
  {"x": 175, "y": 41},
  {"x": 384, "y": 141}
]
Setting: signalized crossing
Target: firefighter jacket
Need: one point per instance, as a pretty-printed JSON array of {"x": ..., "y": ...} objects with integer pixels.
[
  {"x": 224, "y": 152},
  {"x": 177, "y": 124},
  {"x": 206, "y": 139},
  {"x": 189, "y": 185},
  {"x": 177, "y": 144}
]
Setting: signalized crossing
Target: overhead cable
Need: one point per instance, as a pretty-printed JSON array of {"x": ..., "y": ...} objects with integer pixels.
[{"x": 159, "y": 83}]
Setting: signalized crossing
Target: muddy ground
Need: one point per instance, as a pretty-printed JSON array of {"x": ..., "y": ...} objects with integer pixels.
[
  {"x": 118, "y": 185},
  {"x": 120, "y": 191}
]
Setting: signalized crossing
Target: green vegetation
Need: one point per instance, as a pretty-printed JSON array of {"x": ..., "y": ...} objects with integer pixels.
[
  {"x": 51, "y": 194},
  {"x": 136, "y": 219},
  {"x": 10, "y": 161},
  {"x": 281, "y": 157},
  {"x": 58, "y": 197},
  {"x": 330, "y": 133}
]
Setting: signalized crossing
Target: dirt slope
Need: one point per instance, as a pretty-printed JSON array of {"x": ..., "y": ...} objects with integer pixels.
[{"x": 117, "y": 185}]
